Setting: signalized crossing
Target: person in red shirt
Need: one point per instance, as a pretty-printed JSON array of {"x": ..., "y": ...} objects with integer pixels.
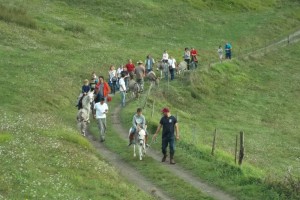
[
  {"x": 194, "y": 54},
  {"x": 130, "y": 67}
]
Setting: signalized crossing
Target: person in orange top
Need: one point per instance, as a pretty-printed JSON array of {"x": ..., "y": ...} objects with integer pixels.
[{"x": 102, "y": 90}]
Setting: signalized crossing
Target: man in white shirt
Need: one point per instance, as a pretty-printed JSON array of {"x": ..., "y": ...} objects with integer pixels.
[
  {"x": 122, "y": 89},
  {"x": 101, "y": 109},
  {"x": 172, "y": 66}
]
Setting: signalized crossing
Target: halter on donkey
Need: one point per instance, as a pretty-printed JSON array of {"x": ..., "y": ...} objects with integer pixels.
[
  {"x": 83, "y": 115},
  {"x": 140, "y": 140}
]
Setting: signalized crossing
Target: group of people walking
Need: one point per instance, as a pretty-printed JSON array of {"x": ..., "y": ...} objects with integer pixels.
[
  {"x": 118, "y": 79},
  {"x": 100, "y": 108}
]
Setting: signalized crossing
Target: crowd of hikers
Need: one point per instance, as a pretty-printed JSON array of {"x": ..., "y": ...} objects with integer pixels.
[{"x": 120, "y": 80}]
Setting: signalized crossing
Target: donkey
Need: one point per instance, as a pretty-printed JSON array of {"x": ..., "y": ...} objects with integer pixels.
[
  {"x": 153, "y": 78},
  {"x": 135, "y": 88},
  {"x": 182, "y": 66},
  {"x": 83, "y": 115},
  {"x": 140, "y": 140}
]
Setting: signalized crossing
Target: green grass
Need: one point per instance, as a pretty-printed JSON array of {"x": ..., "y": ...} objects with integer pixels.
[
  {"x": 155, "y": 172},
  {"x": 258, "y": 97},
  {"x": 48, "y": 47}
]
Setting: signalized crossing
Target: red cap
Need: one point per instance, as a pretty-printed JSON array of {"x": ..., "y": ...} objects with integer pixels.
[{"x": 165, "y": 110}]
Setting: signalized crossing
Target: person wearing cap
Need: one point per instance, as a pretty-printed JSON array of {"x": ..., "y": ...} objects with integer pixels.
[
  {"x": 140, "y": 74},
  {"x": 100, "y": 110},
  {"x": 169, "y": 126}
]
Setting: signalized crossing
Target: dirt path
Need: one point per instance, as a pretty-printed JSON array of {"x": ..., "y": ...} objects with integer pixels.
[
  {"x": 133, "y": 176},
  {"x": 128, "y": 171},
  {"x": 176, "y": 169}
]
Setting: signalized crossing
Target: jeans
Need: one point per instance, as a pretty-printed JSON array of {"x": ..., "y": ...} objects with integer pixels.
[
  {"x": 172, "y": 73},
  {"x": 228, "y": 54},
  {"x": 188, "y": 63},
  {"x": 113, "y": 87},
  {"x": 168, "y": 141},
  {"x": 126, "y": 82},
  {"x": 102, "y": 127},
  {"x": 149, "y": 70},
  {"x": 123, "y": 95}
]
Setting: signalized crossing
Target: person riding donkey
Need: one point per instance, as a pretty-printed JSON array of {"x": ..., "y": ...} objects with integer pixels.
[{"x": 138, "y": 122}]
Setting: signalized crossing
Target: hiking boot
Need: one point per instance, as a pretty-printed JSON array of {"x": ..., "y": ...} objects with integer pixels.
[
  {"x": 164, "y": 158},
  {"x": 172, "y": 162}
]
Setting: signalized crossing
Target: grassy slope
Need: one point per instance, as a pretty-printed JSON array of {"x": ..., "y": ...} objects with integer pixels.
[
  {"x": 259, "y": 97},
  {"x": 44, "y": 60}
]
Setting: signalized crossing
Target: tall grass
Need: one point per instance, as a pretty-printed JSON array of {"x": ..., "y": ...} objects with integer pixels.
[{"x": 17, "y": 15}]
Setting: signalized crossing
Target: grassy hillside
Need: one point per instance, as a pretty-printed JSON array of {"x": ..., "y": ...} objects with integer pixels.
[{"x": 48, "y": 47}]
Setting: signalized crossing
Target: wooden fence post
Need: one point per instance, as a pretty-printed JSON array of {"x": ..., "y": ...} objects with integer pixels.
[
  {"x": 152, "y": 113},
  {"x": 214, "y": 143},
  {"x": 242, "y": 148},
  {"x": 236, "y": 148}
]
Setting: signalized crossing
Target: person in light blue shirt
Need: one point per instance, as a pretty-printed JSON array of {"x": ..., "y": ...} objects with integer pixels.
[{"x": 149, "y": 62}]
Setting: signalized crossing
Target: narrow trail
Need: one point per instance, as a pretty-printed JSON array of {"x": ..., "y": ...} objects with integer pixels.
[
  {"x": 128, "y": 171},
  {"x": 291, "y": 39},
  {"x": 175, "y": 169}
]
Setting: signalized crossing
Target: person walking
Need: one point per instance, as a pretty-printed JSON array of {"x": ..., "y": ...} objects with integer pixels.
[
  {"x": 122, "y": 89},
  {"x": 112, "y": 79},
  {"x": 102, "y": 90},
  {"x": 194, "y": 58},
  {"x": 187, "y": 57},
  {"x": 169, "y": 125},
  {"x": 140, "y": 74},
  {"x": 101, "y": 109},
  {"x": 130, "y": 67},
  {"x": 165, "y": 57},
  {"x": 172, "y": 67},
  {"x": 149, "y": 62},
  {"x": 228, "y": 49}
]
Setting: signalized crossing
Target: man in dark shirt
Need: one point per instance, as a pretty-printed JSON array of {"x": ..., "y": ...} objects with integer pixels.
[{"x": 170, "y": 126}]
